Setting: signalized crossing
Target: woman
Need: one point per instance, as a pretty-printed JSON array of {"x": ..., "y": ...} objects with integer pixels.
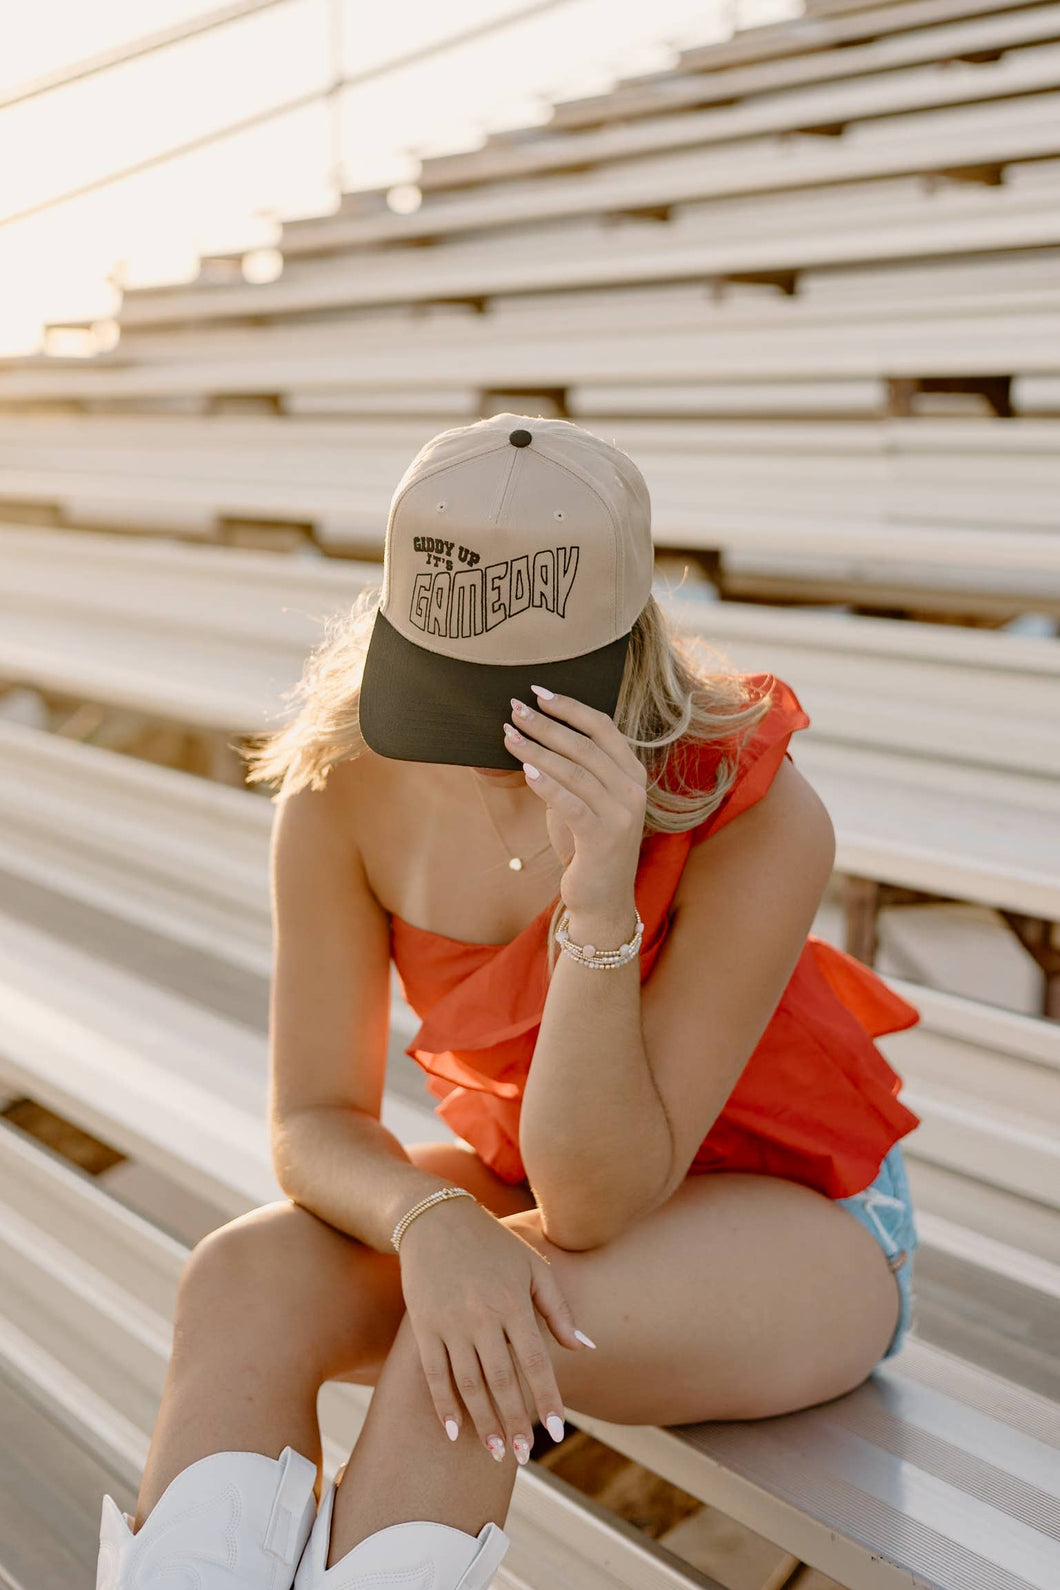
[{"x": 508, "y": 792}]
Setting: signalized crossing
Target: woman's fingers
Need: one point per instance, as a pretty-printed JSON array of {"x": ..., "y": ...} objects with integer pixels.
[
  {"x": 550, "y": 1300},
  {"x": 469, "y": 1381},
  {"x": 435, "y": 1361},
  {"x": 535, "y": 1362},
  {"x": 502, "y": 1380},
  {"x": 484, "y": 1351}
]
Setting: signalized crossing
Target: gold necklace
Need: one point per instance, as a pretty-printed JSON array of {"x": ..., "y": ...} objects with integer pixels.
[{"x": 514, "y": 862}]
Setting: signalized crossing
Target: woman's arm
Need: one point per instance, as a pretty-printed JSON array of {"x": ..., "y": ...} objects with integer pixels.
[
  {"x": 329, "y": 1021},
  {"x": 626, "y": 1081},
  {"x": 593, "y": 1131}
]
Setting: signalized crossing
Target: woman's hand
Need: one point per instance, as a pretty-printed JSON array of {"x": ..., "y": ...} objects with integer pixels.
[
  {"x": 595, "y": 791},
  {"x": 470, "y": 1286}
]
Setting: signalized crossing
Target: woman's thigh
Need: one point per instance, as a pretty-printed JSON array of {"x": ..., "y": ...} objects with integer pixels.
[{"x": 741, "y": 1297}]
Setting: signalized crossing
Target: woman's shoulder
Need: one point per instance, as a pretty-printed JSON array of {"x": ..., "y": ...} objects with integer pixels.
[{"x": 365, "y": 783}]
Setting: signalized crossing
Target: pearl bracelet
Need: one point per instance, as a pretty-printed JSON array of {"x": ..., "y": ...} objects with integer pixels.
[
  {"x": 417, "y": 1209},
  {"x": 589, "y": 955}
]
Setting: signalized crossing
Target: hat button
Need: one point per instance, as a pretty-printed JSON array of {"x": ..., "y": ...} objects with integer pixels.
[{"x": 520, "y": 438}]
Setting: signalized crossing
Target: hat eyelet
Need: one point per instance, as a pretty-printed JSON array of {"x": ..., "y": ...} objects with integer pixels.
[
  {"x": 557, "y": 513},
  {"x": 441, "y": 506}
]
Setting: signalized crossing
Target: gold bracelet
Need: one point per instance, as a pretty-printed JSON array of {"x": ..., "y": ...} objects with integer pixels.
[
  {"x": 589, "y": 955},
  {"x": 417, "y": 1209}
]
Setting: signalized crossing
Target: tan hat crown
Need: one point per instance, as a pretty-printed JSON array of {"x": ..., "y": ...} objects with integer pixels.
[{"x": 517, "y": 539}]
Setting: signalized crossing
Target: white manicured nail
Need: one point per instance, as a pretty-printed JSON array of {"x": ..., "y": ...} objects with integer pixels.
[
  {"x": 583, "y": 1338},
  {"x": 539, "y": 690},
  {"x": 452, "y": 1429},
  {"x": 554, "y": 1426}
]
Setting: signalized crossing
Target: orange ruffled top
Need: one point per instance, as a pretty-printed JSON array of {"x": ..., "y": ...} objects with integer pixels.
[{"x": 816, "y": 1102}]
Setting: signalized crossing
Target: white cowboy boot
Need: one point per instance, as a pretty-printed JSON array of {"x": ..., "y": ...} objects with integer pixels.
[
  {"x": 229, "y": 1521},
  {"x": 418, "y": 1555}
]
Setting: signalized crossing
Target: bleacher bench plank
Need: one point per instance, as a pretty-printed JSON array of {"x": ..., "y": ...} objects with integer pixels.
[
  {"x": 159, "y": 1076},
  {"x": 932, "y": 1473},
  {"x": 951, "y": 315},
  {"x": 894, "y": 93},
  {"x": 129, "y": 632},
  {"x": 986, "y": 219},
  {"x": 820, "y": 33},
  {"x": 880, "y": 494},
  {"x": 894, "y": 38},
  {"x": 660, "y": 93}
]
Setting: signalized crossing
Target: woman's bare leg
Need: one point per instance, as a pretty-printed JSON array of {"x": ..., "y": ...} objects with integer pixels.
[
  {"x": 404, "y": 1466},
  {"x": 742, "y": 1297},
  {"x": 270, "y": 1306}
]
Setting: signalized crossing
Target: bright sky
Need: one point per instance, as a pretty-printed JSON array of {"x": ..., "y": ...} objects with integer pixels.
[{"x": 64, "y": 261}]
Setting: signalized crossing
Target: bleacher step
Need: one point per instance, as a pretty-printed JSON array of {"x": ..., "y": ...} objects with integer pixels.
[
  {"x": 987, "y": 1319},
  {"x": 49, "y": 1498}
]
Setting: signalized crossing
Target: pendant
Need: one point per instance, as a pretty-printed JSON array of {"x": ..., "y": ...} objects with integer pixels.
[{"x": 516, "y": 864}]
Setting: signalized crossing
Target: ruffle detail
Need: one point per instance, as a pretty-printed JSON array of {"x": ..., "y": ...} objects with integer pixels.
[{"x": 877, "y": 1006}]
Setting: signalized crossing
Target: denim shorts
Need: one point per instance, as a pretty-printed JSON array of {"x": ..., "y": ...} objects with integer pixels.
[{"x": 885, "y": 1208}]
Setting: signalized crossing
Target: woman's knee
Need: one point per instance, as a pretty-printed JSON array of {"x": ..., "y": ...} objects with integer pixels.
[
  {"x": 281, "y": 1263},
  {"x": 271, "y": 1251}
]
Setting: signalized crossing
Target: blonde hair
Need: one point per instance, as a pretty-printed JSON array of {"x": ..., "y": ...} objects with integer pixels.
[{"x": 677, "y": 692}]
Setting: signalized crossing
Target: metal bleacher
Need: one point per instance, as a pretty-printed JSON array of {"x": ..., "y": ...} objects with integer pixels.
[{"x": 809, "y": 277}]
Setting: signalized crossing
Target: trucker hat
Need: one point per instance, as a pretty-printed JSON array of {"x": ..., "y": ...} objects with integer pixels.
[{"x": 518, "y": 551}]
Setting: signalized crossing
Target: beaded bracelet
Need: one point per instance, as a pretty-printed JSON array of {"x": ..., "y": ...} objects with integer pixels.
[
  {"x": 417, "y": 1209},
  {"x": 589, "y": 955}
]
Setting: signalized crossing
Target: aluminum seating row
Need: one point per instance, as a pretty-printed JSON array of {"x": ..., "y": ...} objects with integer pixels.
[
  {"x": 867, "y": 109},
  {"x": 654, "y": 94},
  {"x": 589, "y": 211},
  {"x": 930, "y": 510}
]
